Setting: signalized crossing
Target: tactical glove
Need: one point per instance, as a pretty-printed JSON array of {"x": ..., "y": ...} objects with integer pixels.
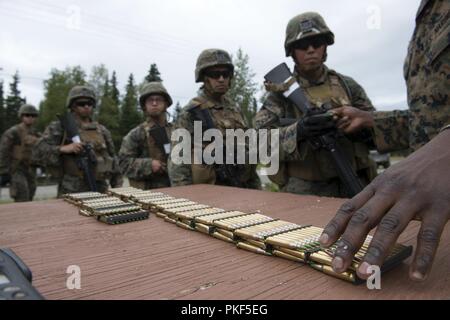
[{"x": 315, "y": 125}]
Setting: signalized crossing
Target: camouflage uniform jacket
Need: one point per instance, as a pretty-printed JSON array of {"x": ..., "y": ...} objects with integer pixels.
[
  {"x": 136, "y": 154},
  {"x": 47, "y": 153},
  {"x": 316, "y": 165},
  {"x": 225, "y": 115},
  {"x": 15, "y": 148},
  {"x": 427, "y": 75}
]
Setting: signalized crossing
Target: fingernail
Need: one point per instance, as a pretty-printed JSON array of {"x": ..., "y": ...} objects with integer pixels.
[
  {"x": 324, "y": 239},
  {"x": 363, "y": 268},
  {"x": 338, "y": 264},
  {"x": 416, "y": 275}
]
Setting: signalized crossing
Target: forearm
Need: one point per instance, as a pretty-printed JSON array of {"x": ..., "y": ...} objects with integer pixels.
[
  {"x": 136, "y": 168},
  {"x": 391, "y": 130}
]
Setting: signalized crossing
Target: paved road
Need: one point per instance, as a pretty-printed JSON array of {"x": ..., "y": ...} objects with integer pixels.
[{"x": 49, "y": 192}]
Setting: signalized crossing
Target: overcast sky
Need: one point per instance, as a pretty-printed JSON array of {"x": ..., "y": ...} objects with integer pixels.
[{"x": 127, "y": 36}]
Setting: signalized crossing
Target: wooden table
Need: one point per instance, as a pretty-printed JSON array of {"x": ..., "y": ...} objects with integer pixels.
[{"x": 153, "y": 259}]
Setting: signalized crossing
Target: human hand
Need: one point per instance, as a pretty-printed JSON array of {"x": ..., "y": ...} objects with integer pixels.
[
  {"x": 352, "y": 119},
  {"x": 416, "y": 188},
  {"x": 71, "y": 148}
]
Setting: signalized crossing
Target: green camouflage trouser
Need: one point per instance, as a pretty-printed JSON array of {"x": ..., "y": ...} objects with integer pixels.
[
  {"x": 23, "y": 186},
  {"x": 72, "y": 184}
]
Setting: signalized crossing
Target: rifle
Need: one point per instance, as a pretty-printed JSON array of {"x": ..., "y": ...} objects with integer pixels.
[
  {"x": 226, "y": 173},
  {"x": 281, "y": 75},
  {"x": 159, "y": 134},
  {"x": 86, "y": 159},
  {"x": 15, "y": 278}
]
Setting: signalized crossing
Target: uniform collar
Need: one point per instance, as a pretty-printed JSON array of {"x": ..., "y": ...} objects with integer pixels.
[
  {"x": 151, "y": 123},
  {"x": 212, "y": 102},
  {"x": 305, "y": 83}
]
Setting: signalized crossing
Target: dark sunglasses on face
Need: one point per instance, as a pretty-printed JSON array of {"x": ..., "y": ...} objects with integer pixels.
[
  {"x": 82, "y": 103},
  {"x": 217, "y": 74},
  {"x": 315, "y": 42},
  {"x": 30, "y": 115}
]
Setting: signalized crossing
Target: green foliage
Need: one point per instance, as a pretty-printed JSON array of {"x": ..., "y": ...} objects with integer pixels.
[
  {"x": 177, "y": 111},
  {"x": 2, "y": 109},
  {"x": 153, "y": 74},
  {"x": 97, "y": 78},
  {"x": 114, "y": 92},
  {"x": 131, "y": 116},
  {"x": 13, "y": 102},
  {"x": 243, "y": 87},
  {"x": 56, "y": 89},
  {"x": 109, "y": 114}
]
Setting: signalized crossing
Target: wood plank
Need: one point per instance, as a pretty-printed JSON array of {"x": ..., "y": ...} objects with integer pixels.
[{"x": 153, "y": 259}]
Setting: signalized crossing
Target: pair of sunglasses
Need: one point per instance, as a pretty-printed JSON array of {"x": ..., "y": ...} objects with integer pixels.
[
  {"x": 30, "y": 115},
  {"x": 82, "y": 103},
  {"x": 315, "y": 42},
  {"x": 226, "y": 74}
]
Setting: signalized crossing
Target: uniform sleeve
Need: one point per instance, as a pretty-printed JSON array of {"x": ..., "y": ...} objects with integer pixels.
[
  {"x": 116, "y": 180},
  {"x": 269, "y": 118},
  {"x": 391, "y": 130},
  {"x": 181, "y": 174},
  {"x": 6, "y": 147},
  {"x": 46, "y": 152},
  {"x": 132, "y": 164}
]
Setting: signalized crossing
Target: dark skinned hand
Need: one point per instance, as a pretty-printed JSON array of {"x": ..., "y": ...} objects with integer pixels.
[{"x": 417, "y": 188}]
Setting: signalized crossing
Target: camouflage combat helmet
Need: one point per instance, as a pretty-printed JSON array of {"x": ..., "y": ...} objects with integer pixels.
[
  {"x": 305, "y": 25},
  {"x": 210, "y": 58},
  {"x": 155, "y": 87},
  {"x": 27, "y": 109},
  {"x": 80, "y": 92}
]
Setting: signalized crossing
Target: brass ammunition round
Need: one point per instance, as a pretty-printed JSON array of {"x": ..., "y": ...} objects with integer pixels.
[
  {"x": 184, "y": 226},
  {"x": 284, "y": 255},
  {"x": 222, "y": 237},
  {"x": 203, "y": 228},
  {"x": 251, "y": 248}
]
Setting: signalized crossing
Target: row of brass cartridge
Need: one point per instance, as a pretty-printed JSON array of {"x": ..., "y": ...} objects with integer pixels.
[
  {"x": 250, "y": 231},
  {"x": 106, "y": 208}
]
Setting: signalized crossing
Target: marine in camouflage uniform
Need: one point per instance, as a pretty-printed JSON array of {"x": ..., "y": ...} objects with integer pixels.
[
  {"x": 303, "y": 169},
  {"x": 143, "y": 159},
  {"x": 56, "y": 152},
  {"x": 215, "y": 69},
  {"x": 427, "y": 75},
  {"x": 15, "y": 155},
  {"x": 417, "y": 187}
]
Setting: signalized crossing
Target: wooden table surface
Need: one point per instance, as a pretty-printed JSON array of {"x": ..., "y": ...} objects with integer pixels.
[{"x": 153, "y": 259}]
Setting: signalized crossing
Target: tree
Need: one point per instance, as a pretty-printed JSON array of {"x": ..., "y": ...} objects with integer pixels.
[
  {"x": 153, "y": 74},
  {"x": 99, "y": 75},
  {"x": 109, "y": 114},
  {"x": 130, "y": 114},
  {"x": 13, "y": 102},
  {"x": 243, "y": 87},
  {"x": 115, "y": 94},
  {"x": 177, "y": 111},
  {"x": 56, "y": 89},
  {"x": 2, "y": 110}
]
